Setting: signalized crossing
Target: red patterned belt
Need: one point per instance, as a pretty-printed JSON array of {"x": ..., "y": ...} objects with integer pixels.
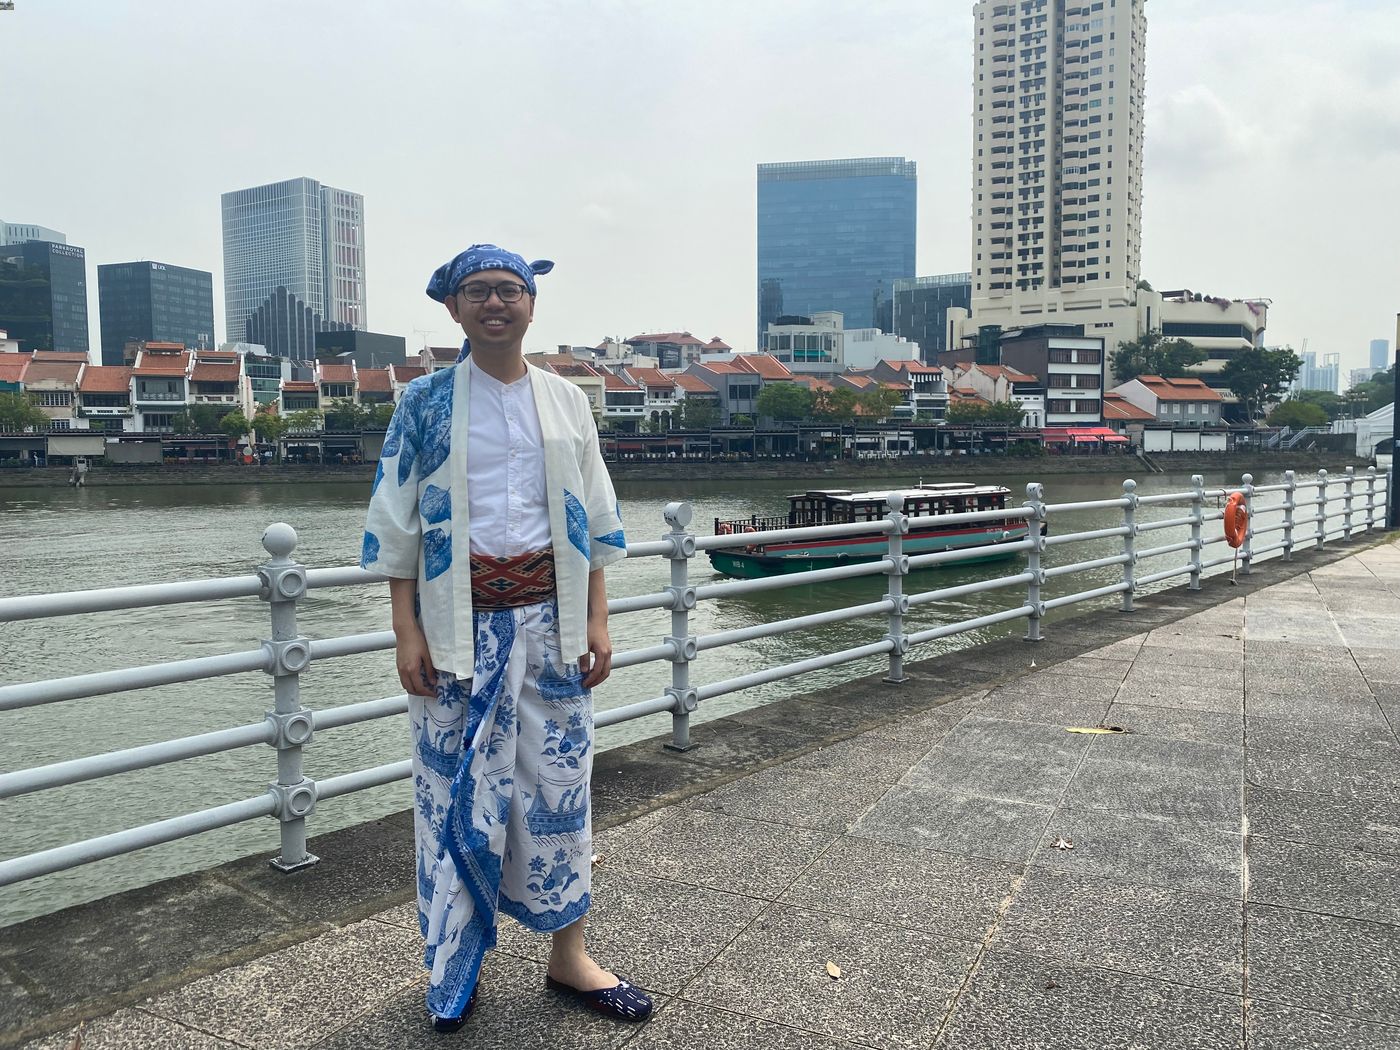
[{"x": 510, "y": 582}]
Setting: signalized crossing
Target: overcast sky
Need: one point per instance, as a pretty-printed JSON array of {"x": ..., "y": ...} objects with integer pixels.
[{"x": 619, "y": 138}]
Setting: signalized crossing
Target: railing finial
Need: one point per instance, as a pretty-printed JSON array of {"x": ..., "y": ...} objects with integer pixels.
[{"x": 279, "y": 540}]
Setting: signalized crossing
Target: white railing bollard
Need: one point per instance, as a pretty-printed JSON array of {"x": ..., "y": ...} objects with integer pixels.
[
  {"x": 681, "y": 641},
  {"x": 1290, "y": 489},
  {"x": 1247, "y": 550},
  {"x": 1035, "y": 500},
  {"x": 1347, "y": 504},
  {"x": 1129, "y": 542},
  {"x": 288, "y": 654},
  {"x": 1320, "y": 514},
  {"x": 1198, "y": 501},
  {"x": 897, "y": 569},
  {"x": 1370, "y": 498}
]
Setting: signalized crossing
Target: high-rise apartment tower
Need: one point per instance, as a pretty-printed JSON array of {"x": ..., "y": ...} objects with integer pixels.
[
  {"x": 301, "y": 236},
  {"x": 1057, "y": 157}
]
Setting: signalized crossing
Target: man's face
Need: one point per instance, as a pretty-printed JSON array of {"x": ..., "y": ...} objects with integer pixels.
[{"x": 492, "y": 324}]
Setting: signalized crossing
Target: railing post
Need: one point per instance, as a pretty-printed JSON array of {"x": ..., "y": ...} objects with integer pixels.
[
  {"x": 681, "y": 641},
  {"x": 1321, "y": 513},
  {"x": 1290, "y": 489},
  {"x": 288, "y": 654},
  {"x": 1370, "y": 498},
  {"x": 1350, "y": 484},
  {"x": 897, "y": 569},
  {"x": 1247, "y": 550},
  {"x": 1198, "y": 501},
  {"x": 1035, "y": 500},
  {"x": 1130, "y": 542}
]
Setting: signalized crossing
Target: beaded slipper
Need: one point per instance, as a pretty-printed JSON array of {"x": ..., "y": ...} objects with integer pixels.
[
  {"x": 624, "y": 1001},
  {"x": 454, "y": 1024}
]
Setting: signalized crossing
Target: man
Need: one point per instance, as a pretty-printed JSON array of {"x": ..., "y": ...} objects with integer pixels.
[{"x": 493, "y": 516}]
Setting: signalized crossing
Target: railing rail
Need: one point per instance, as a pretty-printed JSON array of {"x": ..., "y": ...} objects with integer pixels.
[{"x": 1356, "y": 505}]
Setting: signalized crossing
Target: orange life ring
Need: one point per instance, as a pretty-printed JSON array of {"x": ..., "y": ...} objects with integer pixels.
[
  {"x": 1236, "y": 520},
  {"x": 723, "y": 529},
  {"x": 750, "y": 528}
]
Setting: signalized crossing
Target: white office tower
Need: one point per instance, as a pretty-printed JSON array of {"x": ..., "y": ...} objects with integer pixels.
[{"x": 1057, "y": 163}]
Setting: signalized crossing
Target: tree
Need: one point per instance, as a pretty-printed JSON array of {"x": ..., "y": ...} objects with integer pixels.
[
  {"x": 697, "y": 413},
  {"x": 1152, "y": 354},
  {"x": 307, "y": 421},
  {"x": 784, "y": 401},
  {"x": 344, "y": 414},
  {"x": 268, "y": 425},
  {"x": 1004, "y": 413},
  {"x": 1259, "y": 376},
  {"x": 380, "y": 416},
  {"x": 1333, "y": 404},
  {"x": 1375, "y": 393},
  {"x": 197, "y": 419},
  {"x": 1297, "y": 414},
  {"x": 235, "y": 425},
  {"x": 837, "y": 405},
  {"x": 18, "y": 414},
  {"x": 879, "y": 402}
]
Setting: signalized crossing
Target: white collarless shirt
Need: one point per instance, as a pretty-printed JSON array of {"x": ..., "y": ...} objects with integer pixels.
[{"x": 507, "y": 496}]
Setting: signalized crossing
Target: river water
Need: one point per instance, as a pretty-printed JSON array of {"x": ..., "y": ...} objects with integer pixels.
[{"x": 63, "y": 539}]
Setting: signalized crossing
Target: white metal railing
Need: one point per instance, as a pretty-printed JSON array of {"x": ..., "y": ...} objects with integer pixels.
[{"x": 1311, "y": 512}]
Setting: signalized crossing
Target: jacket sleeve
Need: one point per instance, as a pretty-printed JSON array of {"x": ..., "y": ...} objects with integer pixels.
[
  {"x": 606, "y": 541},
  {"x": 393, "y": 533}
]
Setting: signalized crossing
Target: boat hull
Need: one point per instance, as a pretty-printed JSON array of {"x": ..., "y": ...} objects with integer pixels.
[{"x": 781, "y": 559}]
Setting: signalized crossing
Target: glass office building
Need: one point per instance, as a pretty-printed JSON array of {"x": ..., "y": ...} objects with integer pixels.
[
  {"x": 834, "y": 235},
  {"x": 153, "y": 302},
  {"x": 297, "y": 235},
  {"x": 43, "y": 296},
  {"x": 920, "y": 310}
]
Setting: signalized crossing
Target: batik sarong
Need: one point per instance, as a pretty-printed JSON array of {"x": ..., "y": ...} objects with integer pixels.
[{"x": 501, "y": 766}]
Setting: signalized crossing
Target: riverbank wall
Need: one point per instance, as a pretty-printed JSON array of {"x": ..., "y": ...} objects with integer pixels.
[{"x": 904, "y": 468}]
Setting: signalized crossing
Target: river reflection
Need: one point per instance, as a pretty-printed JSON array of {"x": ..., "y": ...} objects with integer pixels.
[{"x": 63, "y": 539}]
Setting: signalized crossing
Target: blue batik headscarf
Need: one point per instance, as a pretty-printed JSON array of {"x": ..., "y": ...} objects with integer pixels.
[{"x": 449, "y": 276}]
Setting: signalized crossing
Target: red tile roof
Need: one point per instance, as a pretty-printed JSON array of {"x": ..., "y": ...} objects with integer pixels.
[
  {"x": 717, "y": 346},
  {"x": 406, "y": 373},
  {"x": 1005, "y": 371},
  {"x": 375, "y": 381},
  {"x": 1116, "y": 406},
  {"x": 105, "y": 379},
  {"x": 298, "y": 386},
  {"x": 331, "y": 373},
  {"x": 179, "y": 347},
  {"x": 52, "y": 372},
  {"x": 214, "y": 373},
  {"x": 695, "y": 385},
  {"x": 573, "y": 369},
  {"x": 12, "y": 367},
  {"x": 681, "y": 338},
  {"x": 724, "y": 368},
  {"x": 651, "y": 377},
  {"x": 61, "y": 355},
  {"x": 216, "y": 356},
  {"x": 444, "y": 353},
  {"x": 162, "y": 364},
  {"x": 913, "y": 367},
  {"x": 766, "y": 365},
  {"x": 616, "y": 382},
  {"x": 858, "y": 381},
  {"x": 1179, "y": 389}
]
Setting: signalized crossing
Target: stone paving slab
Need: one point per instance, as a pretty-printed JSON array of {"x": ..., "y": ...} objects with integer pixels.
[{"x": 1232, "y": 879}]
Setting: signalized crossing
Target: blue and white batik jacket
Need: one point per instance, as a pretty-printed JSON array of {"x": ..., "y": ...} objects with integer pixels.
[{"x": 417, "y": 525}]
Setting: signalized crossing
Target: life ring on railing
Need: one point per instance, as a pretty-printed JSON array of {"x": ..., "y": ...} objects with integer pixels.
[
  {"x": 724, "y": 529},
  {"x": 750, "y": 528},
  {"x": 1236, "y": 520}
]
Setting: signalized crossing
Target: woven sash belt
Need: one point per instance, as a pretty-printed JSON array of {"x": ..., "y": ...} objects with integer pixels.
[{"x": 510, "y": 582}]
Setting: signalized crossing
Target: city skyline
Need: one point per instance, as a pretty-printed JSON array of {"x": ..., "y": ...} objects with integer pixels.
[{"x": 656, "y": 192}]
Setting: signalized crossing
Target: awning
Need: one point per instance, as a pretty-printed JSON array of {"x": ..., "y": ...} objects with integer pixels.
[{"x": 1052, "y": 436}]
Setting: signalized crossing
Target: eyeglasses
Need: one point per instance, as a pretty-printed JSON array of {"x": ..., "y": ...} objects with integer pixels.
[{"x": 479, "y": 291}]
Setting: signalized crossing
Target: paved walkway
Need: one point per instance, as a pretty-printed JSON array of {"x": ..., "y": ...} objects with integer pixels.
[{"x": 1234, "y": 876}]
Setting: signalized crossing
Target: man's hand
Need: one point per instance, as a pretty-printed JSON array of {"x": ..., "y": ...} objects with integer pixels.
[
  {"x": 416, "y": 672},
  {"x": 596, "y": 664}
]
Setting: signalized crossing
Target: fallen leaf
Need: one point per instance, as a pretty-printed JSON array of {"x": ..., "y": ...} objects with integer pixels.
[
  {"x": 1062, "y": 843},
  {"x": 1051, "y": 983},
  {"x": 77, "y": 1043},
  {"x": 1095, "y": 729},
  {"x": 834, "y": 970}
]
